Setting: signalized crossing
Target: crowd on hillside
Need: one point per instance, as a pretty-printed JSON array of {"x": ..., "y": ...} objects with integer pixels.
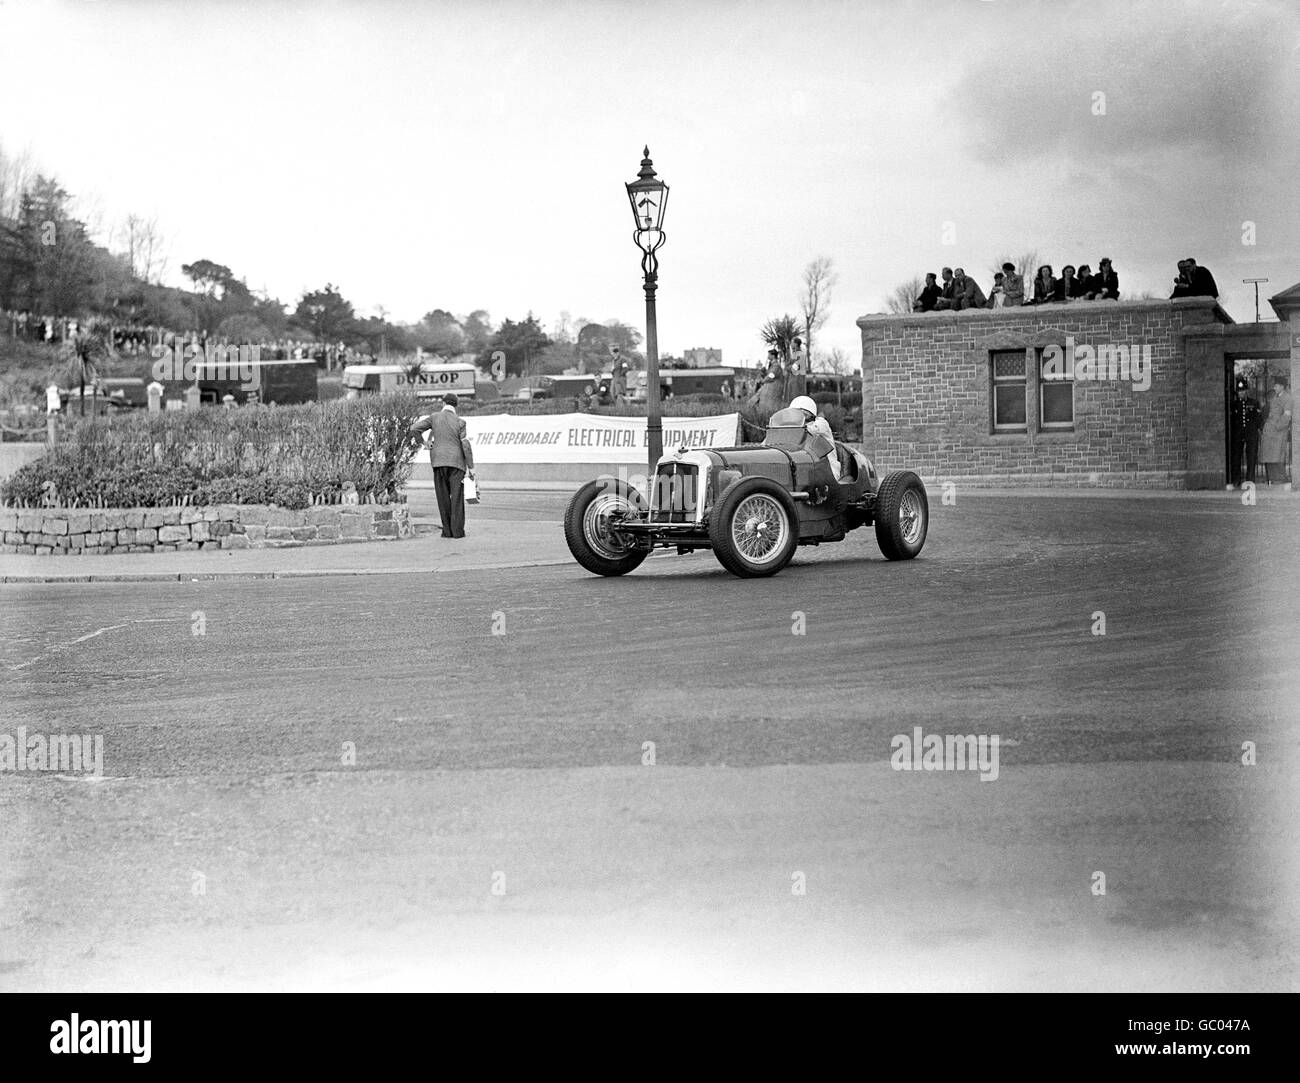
[
  {"x": 958, "y": 291},
  {"x": 140, "y": 340}
]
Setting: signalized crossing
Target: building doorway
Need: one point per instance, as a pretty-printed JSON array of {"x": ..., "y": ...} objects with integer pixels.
[{"x": 1246, "y": 387}]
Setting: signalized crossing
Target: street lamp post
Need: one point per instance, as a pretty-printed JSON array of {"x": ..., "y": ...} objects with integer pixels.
[{"x": 649, "y": 198}]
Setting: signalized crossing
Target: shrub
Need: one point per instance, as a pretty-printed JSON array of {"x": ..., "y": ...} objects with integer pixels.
[{"x": 287, "y": 455}]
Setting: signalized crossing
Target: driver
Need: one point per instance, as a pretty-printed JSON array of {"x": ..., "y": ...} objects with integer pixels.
[{"x": 818, "y": 426}]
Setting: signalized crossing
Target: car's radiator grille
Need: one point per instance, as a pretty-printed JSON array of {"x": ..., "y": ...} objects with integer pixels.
[{"x": 675, "y": 493}]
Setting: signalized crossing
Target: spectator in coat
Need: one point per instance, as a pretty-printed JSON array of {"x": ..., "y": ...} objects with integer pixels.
[
  {"x": 928, "y": 296},
  {"x": 966, "y": 291},
  {"x": 1201, "y": 282},
  {"x": 1086, "y": 281},
  {"x": 998, "y": 294},
  {"x": 1044, "y": 285},
  {"x": 1182, "y": 281},
  {"x": 1276, "y": 431},
  {"x": 1013, "y": 286},
  {"x": 451, "y": 456},
  {"x": 1067, "y": 286},
  {"x": 947, "y": 292},
  {"x": 1105, "y": 283}
]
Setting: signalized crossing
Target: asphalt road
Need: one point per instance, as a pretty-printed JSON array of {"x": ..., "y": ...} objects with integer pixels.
[{"x": 522, "y": 755}]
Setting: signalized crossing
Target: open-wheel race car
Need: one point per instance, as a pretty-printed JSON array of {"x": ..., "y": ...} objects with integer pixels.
[{"x": 752, "y": 505}]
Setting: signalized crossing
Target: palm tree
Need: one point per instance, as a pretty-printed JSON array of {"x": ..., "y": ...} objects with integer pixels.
[
  {"x": 779, "y": 334},
  {"x": 92, "y": 347}
]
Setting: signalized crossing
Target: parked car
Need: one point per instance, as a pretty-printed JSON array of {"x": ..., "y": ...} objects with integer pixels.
[{"x": 752, "y": 505}]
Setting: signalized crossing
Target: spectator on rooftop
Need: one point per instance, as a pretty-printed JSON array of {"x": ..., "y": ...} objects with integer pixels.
[
  {"x": 1044, "y": 285},
  {"x": 1085, "y": 278},
  {"x": 1182, "y": 281},
  {"x": 1067, "y": 286},
  {"x": 997, "y": 295},
  {"x": 1105, "y": 282},
  {"x": 1013, "y": 286},
  {"x": 926, "y": 299},
  {"x": 1201, "y": 281},
  {"x": 966, "y": 291},
  {"x": 947, "y": 292}
]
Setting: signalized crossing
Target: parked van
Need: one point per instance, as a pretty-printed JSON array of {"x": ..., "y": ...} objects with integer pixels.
[{"x": 429, "y": 380}]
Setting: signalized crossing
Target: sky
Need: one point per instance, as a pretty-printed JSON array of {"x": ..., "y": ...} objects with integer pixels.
[{"x": 473, "y": 155}]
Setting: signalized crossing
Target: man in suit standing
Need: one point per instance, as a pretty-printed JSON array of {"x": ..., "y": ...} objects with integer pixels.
[{"x": 451, "y": 456}]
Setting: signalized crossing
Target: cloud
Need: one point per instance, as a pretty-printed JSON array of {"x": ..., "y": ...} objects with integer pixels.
[{"x": 1126, "y": 85}]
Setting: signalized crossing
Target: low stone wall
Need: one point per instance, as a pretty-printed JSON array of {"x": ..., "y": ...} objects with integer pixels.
[{"x": 60, "y": 531}]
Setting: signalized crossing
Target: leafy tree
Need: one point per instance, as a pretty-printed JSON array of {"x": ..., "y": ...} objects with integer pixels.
[
  {"x": 46, "y": 254},
  {"x": 595, "y": 339},
  {"x": 329, "y": 316},
  {"x": 440, "y": 332},
  {"x": 478, "y": 331},
  {"x": 557, "y": 358},
  {"x": 208, "y": 277},
  {"x": 522, "y": 343},
  {"x": 270, "y": 313}
]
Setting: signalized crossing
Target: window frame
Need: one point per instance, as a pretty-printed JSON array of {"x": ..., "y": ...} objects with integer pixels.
[
  {"x": 996, "y": 382},
  {"x": 1043, "y": 384}
]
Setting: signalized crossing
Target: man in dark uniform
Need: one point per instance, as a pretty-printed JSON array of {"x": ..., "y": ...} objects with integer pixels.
[
  {"x": 451, "y": 456},
  {"x": 1244, "y": 432}
]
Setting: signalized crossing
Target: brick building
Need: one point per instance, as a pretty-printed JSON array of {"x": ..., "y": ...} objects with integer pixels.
[{"x": 1093, "y": 393}]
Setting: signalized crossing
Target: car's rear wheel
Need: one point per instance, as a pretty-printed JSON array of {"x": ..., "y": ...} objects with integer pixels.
[
  {"x": 754, "y": 530},
  {"x": 590, "y": 526},
  {"x": 902, "y": 515}
]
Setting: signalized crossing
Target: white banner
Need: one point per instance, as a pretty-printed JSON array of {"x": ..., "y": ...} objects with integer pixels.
[{"x": 586, "y": 438}]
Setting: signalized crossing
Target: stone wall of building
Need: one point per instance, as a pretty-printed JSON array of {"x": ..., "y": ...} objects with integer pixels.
[
  {"x": 64, "y": 531},
  {"x": 928, "y": 395}
]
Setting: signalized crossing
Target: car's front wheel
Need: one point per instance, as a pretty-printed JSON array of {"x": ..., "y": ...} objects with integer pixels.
[
  {"x": 754, "y": 530},
  {"x": 902, "y": 515},
  {"x": 591, "y": 526}
]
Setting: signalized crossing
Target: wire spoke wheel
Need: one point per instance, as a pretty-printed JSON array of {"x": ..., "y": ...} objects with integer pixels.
[
  {"x": 902, "y": 515},
  {"x": 759, "y": 528},
  {"x": 911, "y": 515}
]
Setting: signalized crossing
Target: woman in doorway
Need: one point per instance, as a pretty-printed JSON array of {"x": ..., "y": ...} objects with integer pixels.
[{"x": 1277, "y": 427}]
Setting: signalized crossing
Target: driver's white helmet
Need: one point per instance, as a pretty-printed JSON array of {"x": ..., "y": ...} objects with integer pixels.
[{"x": 805, "y": 403}]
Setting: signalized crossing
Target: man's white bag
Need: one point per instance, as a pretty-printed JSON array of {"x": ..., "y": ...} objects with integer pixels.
[{"x": 471, "y": 490}]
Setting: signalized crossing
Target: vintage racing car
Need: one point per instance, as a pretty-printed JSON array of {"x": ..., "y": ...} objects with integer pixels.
[{"x": 751, "y": 505}]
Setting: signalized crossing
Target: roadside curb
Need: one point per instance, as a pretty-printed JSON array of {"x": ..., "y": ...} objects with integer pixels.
[{"x": 314, "y": 573}]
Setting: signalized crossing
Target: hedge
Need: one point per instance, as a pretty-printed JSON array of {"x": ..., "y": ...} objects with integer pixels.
[{"x": 292, "y": 456}]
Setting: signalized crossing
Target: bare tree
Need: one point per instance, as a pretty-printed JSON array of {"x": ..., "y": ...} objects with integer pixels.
[
  {"x": 819, "y": 280},
  {"x": 16, "y": 175},
  {"x": 143, "y": 247},
  {"x": 834, "y": 361},
  {"x": 904, "y": 296},
  {"x": 1026, "y": 263},
  {"x": 88, "y": 209}
]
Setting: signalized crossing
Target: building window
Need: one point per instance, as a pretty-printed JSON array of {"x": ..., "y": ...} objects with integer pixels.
[
  {"x": 1009, "y": 390},
  {"x": 1055, "y": 394}
]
